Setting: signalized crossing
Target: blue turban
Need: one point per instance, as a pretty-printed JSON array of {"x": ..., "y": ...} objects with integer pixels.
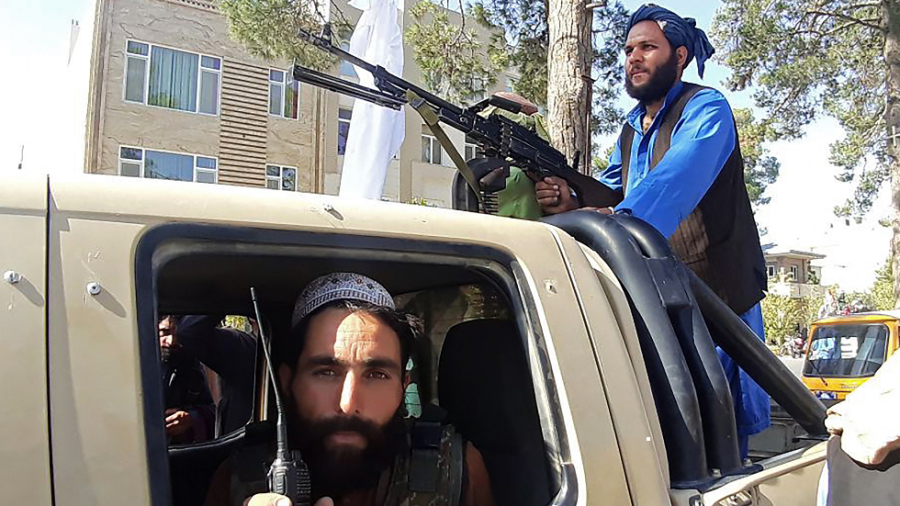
[{"x": 678, "y": 30}]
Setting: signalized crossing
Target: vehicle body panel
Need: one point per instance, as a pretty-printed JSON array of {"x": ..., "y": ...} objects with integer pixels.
[
  {"x": 24, "y": 419},
  {"x": 790, "y": 480},
  {"x": 100, "y": 452},
  {"x": 585, "y": 340}
]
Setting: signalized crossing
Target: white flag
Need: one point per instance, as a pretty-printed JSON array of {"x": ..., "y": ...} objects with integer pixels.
[{"x": 376, "y": 132}]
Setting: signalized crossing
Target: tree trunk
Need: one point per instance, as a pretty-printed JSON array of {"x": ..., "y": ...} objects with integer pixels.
[
  {"x": 891, "y": 16},
  {"x": 569, "y": 63}
]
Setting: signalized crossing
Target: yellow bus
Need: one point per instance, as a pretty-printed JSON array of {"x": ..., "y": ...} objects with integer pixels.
[{"x": 845, "y": 351}]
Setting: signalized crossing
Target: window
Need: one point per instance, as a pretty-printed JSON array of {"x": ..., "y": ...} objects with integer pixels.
[
  {"x": 344, "y": 116},
  {"x": 509, "y": 84},
  {"x": 431, "y": 148},
  {"x": 138, "y": 162},
  {"x": 284, "y": 94},
  {"x": 445, "y": 277},
  {"x": 477, "y": 90},
  {"x": 473, "y": 150},
  {"x": 849, "y": 351},
  {"x": 770, "y": 270},
  {"x": 795, "y": 274},
  {"x": 281, "y": 178},
  {"x": 347, "y": 68},
  {"x": 165, "y": 77}
]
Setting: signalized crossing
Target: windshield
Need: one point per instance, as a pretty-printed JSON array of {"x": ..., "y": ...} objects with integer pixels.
[{"x": 846, "y": 350}]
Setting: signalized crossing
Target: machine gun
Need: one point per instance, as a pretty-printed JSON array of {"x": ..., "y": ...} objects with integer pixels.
[{"x": 501, "y": 138}]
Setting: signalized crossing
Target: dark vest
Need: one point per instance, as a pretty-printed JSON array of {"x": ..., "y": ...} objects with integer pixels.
[
  {"x": 430, "y": 470},
  {"x": 718, "y": 240}
]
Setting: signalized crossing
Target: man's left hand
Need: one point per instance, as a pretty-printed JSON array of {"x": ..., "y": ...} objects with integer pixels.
[{"x": 178, "y": 422}]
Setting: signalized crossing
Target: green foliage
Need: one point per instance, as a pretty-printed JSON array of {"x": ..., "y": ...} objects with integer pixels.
[
  {"x": 454, "y": 62},
  {"x": 608, "y": 33},
  {"x": 237, "y": 322},
  {"x": 598, "y": 166},
  {"x": 809, "y": 308},
  {"x": 781, "y": 315},
  {"x": 760, "y": 168},
  {"x": 268, "y": 29},
  {"x": 524, "y": 23},
  {"x": 600, "y": 163},
  {"x": 882, "y": 291},
  {"x": 419, "y": 201},
  {"x": 812, "y": 57}
]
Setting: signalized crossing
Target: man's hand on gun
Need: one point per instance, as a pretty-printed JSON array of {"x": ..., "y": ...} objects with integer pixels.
[{"x": 555, "y": 196}]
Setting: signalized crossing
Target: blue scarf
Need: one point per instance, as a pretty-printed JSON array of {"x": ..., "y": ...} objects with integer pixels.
[{"x": 678, "y": 30}]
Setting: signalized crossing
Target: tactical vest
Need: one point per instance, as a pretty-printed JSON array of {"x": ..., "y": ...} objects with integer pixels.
[
  {"x": 428, "y": 471},
  {"x": 718, "y": 240}
]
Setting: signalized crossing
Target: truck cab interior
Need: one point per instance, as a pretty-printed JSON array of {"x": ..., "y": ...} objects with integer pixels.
[
  {"x": 483, "y": 360},
  {"x": 476, "y": 362}
]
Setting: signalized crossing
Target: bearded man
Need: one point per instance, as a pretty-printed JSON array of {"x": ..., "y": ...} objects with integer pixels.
[
  {"x": 678, "y": 165},
  {"x": 343, "y": 374},
  {"x": 190, "y": 410}
]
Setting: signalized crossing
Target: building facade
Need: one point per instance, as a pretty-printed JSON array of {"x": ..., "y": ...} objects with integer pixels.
[
  {"x": 172, "y": 96},
  {"x": 792, "y": 273}
]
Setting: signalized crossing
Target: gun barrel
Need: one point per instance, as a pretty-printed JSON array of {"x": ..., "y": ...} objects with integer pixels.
[{"x": 351, "y": 89}]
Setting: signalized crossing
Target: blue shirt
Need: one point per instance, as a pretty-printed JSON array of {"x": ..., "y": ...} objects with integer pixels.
[{"x": 702, "y": 141}]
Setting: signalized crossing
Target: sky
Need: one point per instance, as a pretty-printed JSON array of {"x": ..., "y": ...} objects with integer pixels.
[{"x": 43, "y": 97}]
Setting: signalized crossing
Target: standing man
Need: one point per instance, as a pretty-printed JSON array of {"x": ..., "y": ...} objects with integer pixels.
[{"x": 679, "y": 166}]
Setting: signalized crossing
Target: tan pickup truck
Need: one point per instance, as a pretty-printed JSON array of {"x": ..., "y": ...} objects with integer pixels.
[{"x": 581, "y": 392}]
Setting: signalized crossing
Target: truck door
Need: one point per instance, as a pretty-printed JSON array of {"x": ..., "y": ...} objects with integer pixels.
[
  {"x": 122, "y": 251},
  {"x": 25, "y": 450}
]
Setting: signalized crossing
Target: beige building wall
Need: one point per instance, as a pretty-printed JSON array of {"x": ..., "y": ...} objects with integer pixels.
[{"x": 243, "y": 137}]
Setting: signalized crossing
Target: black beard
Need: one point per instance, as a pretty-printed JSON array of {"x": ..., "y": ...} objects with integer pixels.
[
  {"x": 169, "y": 354},
  {"x": 661, "y": 81},
  {"x": 337, "y": 473}
]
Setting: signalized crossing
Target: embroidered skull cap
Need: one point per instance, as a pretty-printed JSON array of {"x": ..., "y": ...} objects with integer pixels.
[{"x": 340, "y": 286}]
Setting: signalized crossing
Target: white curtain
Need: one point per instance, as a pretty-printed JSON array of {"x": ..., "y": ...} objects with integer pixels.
[{"x": 173, "y": 79}]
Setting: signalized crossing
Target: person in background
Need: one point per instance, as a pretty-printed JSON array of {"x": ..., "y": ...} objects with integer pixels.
[
  {"x": 190, "y": 410},
  {"x": 231, "y": 354}
]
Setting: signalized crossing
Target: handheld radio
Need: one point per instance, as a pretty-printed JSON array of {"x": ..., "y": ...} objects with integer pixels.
[{"x": 288, "y": 474}]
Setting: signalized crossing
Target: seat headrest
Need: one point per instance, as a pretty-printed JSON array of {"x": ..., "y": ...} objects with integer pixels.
[
  {"x": 483, "y": 375},
  {"x": 485, "y": 385}
]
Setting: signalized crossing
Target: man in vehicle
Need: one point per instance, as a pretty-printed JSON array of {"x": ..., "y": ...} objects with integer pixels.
[
  {"x": 678, "y": 165},
  {"x": 231, "y": 354},
  {"x": 343, "y": 374},
  {"x": 190, "y": 411}
]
